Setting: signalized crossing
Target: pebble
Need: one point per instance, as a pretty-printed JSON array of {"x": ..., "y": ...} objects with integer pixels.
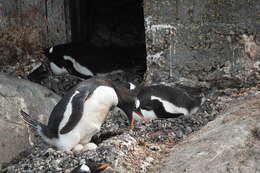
[
  {"x": 154, "y": 148},
  {"x": 112, "y": 148},
  {"x": 179, "y": 134}
]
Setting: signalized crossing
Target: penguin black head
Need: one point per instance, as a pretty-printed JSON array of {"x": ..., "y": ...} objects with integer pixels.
[
  {"x": 55, "y": 55},
  {"x": 128, "y": 102}
]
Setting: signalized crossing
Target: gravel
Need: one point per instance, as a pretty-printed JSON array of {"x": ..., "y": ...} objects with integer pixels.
[{"x": 126, "y": 150}]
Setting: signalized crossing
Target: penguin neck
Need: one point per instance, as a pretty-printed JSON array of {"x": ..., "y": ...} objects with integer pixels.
[
  {"x": 198, "y": 101},
  {"x": 124, "y": 95},
  {"x": 125, "y": 99}
]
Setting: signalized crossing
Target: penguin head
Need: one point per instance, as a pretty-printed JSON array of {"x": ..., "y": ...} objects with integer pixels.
[
  {"x": 55, "y": 55},
  {"x": 48, "y": 51},
  {"x": 137, "y": 109},
  {"x": 127, "y": 101}
]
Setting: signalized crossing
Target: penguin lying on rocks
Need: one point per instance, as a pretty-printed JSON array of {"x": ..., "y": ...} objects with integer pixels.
[
  {"x": 160, "y": 101},
  {"x": 90, "y": 168},
  {"x": 85, "y": 60},
  {"x": 81, "y": 112}
]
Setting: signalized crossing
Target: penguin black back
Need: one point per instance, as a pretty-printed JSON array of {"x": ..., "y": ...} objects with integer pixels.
[
  {"x": 173, "y": 94},
  {"x": 85, "y": 60},
  {"x": 87, "y": 87},
  {"x": 165, "y": 102}
]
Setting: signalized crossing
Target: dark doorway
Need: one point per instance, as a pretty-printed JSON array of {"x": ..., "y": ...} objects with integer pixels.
[{"x": 111, "y": 23}]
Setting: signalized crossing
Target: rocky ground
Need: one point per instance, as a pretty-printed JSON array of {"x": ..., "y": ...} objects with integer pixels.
[
  {"x": 230, "y": 143},
  {"x": 137, "y": 150}
]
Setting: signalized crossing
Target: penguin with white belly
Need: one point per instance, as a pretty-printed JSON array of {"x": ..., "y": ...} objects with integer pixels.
[
  {"x": 86, "y": 60},
  {"x": 81, "y": 112},
  {"x": 160, "y": 101}
]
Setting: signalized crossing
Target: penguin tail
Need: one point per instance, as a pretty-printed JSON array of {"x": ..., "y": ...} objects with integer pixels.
[{"x": 30, "y": 121}]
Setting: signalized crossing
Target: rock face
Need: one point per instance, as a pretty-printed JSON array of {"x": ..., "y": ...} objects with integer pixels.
[
  {"x": 231, "y": 143},
  {"x": 142, "y": 148},
  {"x": 205, "y": 43},
  {"x": 17, "y": 94}
]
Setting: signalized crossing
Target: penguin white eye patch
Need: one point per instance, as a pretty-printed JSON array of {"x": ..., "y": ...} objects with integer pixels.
[{"x": 137, "y": 103}]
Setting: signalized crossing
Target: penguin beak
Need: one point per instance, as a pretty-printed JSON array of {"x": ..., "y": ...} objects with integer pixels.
[
  {"x": 139, "y": 114},
  {"x": 101, "y": 167},
  {"x": 132, "y": 120},
  {"x": 39, "y": 51}
]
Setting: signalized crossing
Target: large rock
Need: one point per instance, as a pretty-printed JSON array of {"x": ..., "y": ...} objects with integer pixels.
[
  {"x": 231, "y": 143},
  {"x": 17, "y": 94},
  {"x": 203, "y": 43}
]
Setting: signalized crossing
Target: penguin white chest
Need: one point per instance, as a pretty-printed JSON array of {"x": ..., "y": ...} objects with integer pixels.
[
  {"x": 78, "y": 67},
  {"x": 56, "y": 69},
  {"x": 95, "y": 110},
  {"x": 98, "y": 105},
  {"x": 148, "y": 115}
]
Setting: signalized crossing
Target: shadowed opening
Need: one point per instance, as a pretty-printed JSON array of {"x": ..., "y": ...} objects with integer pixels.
[{"x": 117, "y": 24}]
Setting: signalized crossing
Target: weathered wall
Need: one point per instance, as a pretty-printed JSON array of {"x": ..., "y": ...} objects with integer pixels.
[
  {"x": 31, "y": 24},
  {"x": 203, "y": 42}
]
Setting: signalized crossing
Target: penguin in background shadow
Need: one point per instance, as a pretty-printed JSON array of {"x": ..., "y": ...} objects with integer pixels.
[
  {"x": 86, "y": 60},
  {"x": 81, "y": 112},
  {"x": 161, "y": 101}
]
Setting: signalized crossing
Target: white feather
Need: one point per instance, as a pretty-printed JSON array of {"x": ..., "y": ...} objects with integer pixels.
[
  {"x": 67, "y": 112},
  {"x": 78, "y": 67},
  {"x": 132, "y": 86},
  {"x": 95, "y": 111},
  {"x": 51, "y": 50},
  {"x": 137, "y": 103},
  {"x": 148, "y": 115},
  {"x": 171, "y": 108},
  {"x": 57, "y": 70}
]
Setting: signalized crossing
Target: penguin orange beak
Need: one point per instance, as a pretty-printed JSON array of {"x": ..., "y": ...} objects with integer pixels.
[
  {"x": 39, "y": 51},
  {"x": 102, "y": 167},
  {"x": 140, "y": 115}
]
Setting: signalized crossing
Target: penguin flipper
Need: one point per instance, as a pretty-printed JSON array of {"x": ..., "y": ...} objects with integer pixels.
[
  {"x": 77, "y": 110},
  {"x": 161, "y": 112},
  {"x": 30, "y": 121}
]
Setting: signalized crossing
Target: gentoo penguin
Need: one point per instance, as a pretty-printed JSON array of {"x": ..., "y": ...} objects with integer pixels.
[
  {"x": 81, "y": 112},
  {"x": 90, "y": 168},
  {"x": 86, "y": 60},
  {"x": 160, "y": 101}
]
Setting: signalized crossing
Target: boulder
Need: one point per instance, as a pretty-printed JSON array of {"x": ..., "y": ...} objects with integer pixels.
[
  {"x": 17, "y": 94},
  {"x": 231, "y": 143}
]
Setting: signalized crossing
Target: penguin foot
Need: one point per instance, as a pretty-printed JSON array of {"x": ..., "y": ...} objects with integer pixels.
[{"x": 132, "y": 124}]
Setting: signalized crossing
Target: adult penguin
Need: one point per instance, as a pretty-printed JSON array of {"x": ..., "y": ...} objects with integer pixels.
[
  {"x": 161, "y": 101},
  {"x": 81, "y": 112}
]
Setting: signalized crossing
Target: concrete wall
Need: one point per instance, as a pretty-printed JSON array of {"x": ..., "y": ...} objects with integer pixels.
[
  {"x": 31, "y": 24},
  {"x": 192, "y": 42},
  {"x": 203, "y": 42}
]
